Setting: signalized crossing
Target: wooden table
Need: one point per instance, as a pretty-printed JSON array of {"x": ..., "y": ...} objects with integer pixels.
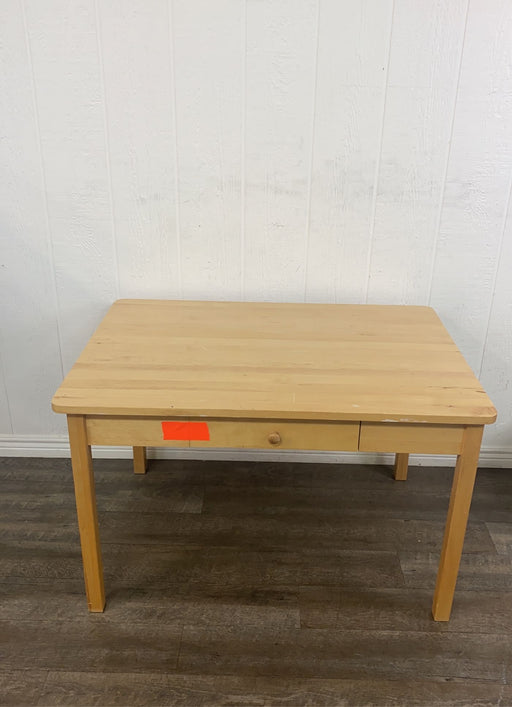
[{"x": 274, "y": 376}]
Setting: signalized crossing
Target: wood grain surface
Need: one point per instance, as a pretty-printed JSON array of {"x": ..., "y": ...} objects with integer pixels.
[{"x": 245, "y": 360}]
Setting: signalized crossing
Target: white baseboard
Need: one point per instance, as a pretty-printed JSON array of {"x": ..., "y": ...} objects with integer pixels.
[{"x": 57, "y": 446}]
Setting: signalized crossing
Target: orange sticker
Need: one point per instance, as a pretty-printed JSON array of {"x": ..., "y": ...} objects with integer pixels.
[{"x": 185, "y": 430}]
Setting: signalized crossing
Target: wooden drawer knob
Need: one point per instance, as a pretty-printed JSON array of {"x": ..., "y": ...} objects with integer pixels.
[{"x": 274, "y": 438}]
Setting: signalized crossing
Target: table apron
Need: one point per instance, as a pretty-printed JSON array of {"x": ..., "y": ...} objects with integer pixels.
[
  {"x": 419, "y": 438},
  {"x": 412, "y": 438}
]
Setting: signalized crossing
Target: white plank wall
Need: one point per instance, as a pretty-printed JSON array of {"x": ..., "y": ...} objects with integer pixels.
[
  {"x": 141, "y": 144},
  {"x": 63, "y": 41},
  {"x": 29, "y": 336},
  {"x": 420, "y": 95},
  {"x": 495, "y": 372},
  {"x": 299, "y": 150},
  {"x": 209, "y": 75},
  {"x": 353, "y": 56},
  {"x": 477, "y": 187},
  {"x": 279, "y": 101}
]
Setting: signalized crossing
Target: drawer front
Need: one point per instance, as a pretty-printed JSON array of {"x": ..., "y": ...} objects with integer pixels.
[
  {"x": 251, "y": 434},
  {"x": 276, "y": 434},
  {"x": 411, "y": 438}
]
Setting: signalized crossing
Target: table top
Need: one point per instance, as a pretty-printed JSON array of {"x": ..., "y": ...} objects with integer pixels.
[{"x": 267, "y": 360}]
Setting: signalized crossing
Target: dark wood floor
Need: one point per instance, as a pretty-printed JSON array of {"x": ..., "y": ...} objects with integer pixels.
[{"x": 252, "y": 584}]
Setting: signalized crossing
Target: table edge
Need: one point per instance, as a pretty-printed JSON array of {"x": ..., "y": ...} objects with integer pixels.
[{"x": 485, "y": 418}]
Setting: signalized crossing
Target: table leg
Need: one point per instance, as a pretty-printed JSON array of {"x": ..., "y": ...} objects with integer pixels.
[
  {"x": 401, "y": 466},
  {"x": 81, "y": 461},
  {"x": 458, "y": 511},
  {"x": 139, "y": 460}
]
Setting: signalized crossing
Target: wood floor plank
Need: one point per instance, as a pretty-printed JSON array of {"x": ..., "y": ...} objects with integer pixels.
[
  {"x": 319, "y": 606},
  {"x": 172, "y": 604},
  {"x": 60, "y": 525},
  {"x": 90, "y": 643},
  {"x": 285, "y": 532},
  {"x": 253, "y": 474},
  {"x": 37, "y": 602},
  {"x": 403, "y": 609},
  {"x": 501, "y": 535},
  {"x": 154, "y": 689},
  {"x": 352, "y": 502},
  {"x": 34, "y": 560},
  {"x": 155, "y": 565},
  {"x": 150, "y": 499},
  {"x": 47, "y": 469},
  {"x": 331, "y": 653},
  {"x": 478, "y": 571},
  {"x": 21, "y": 687}
]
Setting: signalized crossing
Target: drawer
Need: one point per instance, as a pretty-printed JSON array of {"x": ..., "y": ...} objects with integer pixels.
[
  {"x": 411, "y": 438},
  {"x": 278, "y": 434},
  {"x": 251, "y": 434}
]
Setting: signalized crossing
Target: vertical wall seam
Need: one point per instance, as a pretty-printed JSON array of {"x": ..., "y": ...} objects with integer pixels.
[
  {"x": 107, "y": 148},
  {"x": 172, "y": 66},
  {"x": 242, "y": 148},
  {"x": 379, "y": 158},
  {"x": 435, "y": 241},
  {"x": 49, "y": 235},
  {"x": 496, "y": 271},
  {"x": 314, "y": 94},
  {"x": 3, "y": 384}
]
